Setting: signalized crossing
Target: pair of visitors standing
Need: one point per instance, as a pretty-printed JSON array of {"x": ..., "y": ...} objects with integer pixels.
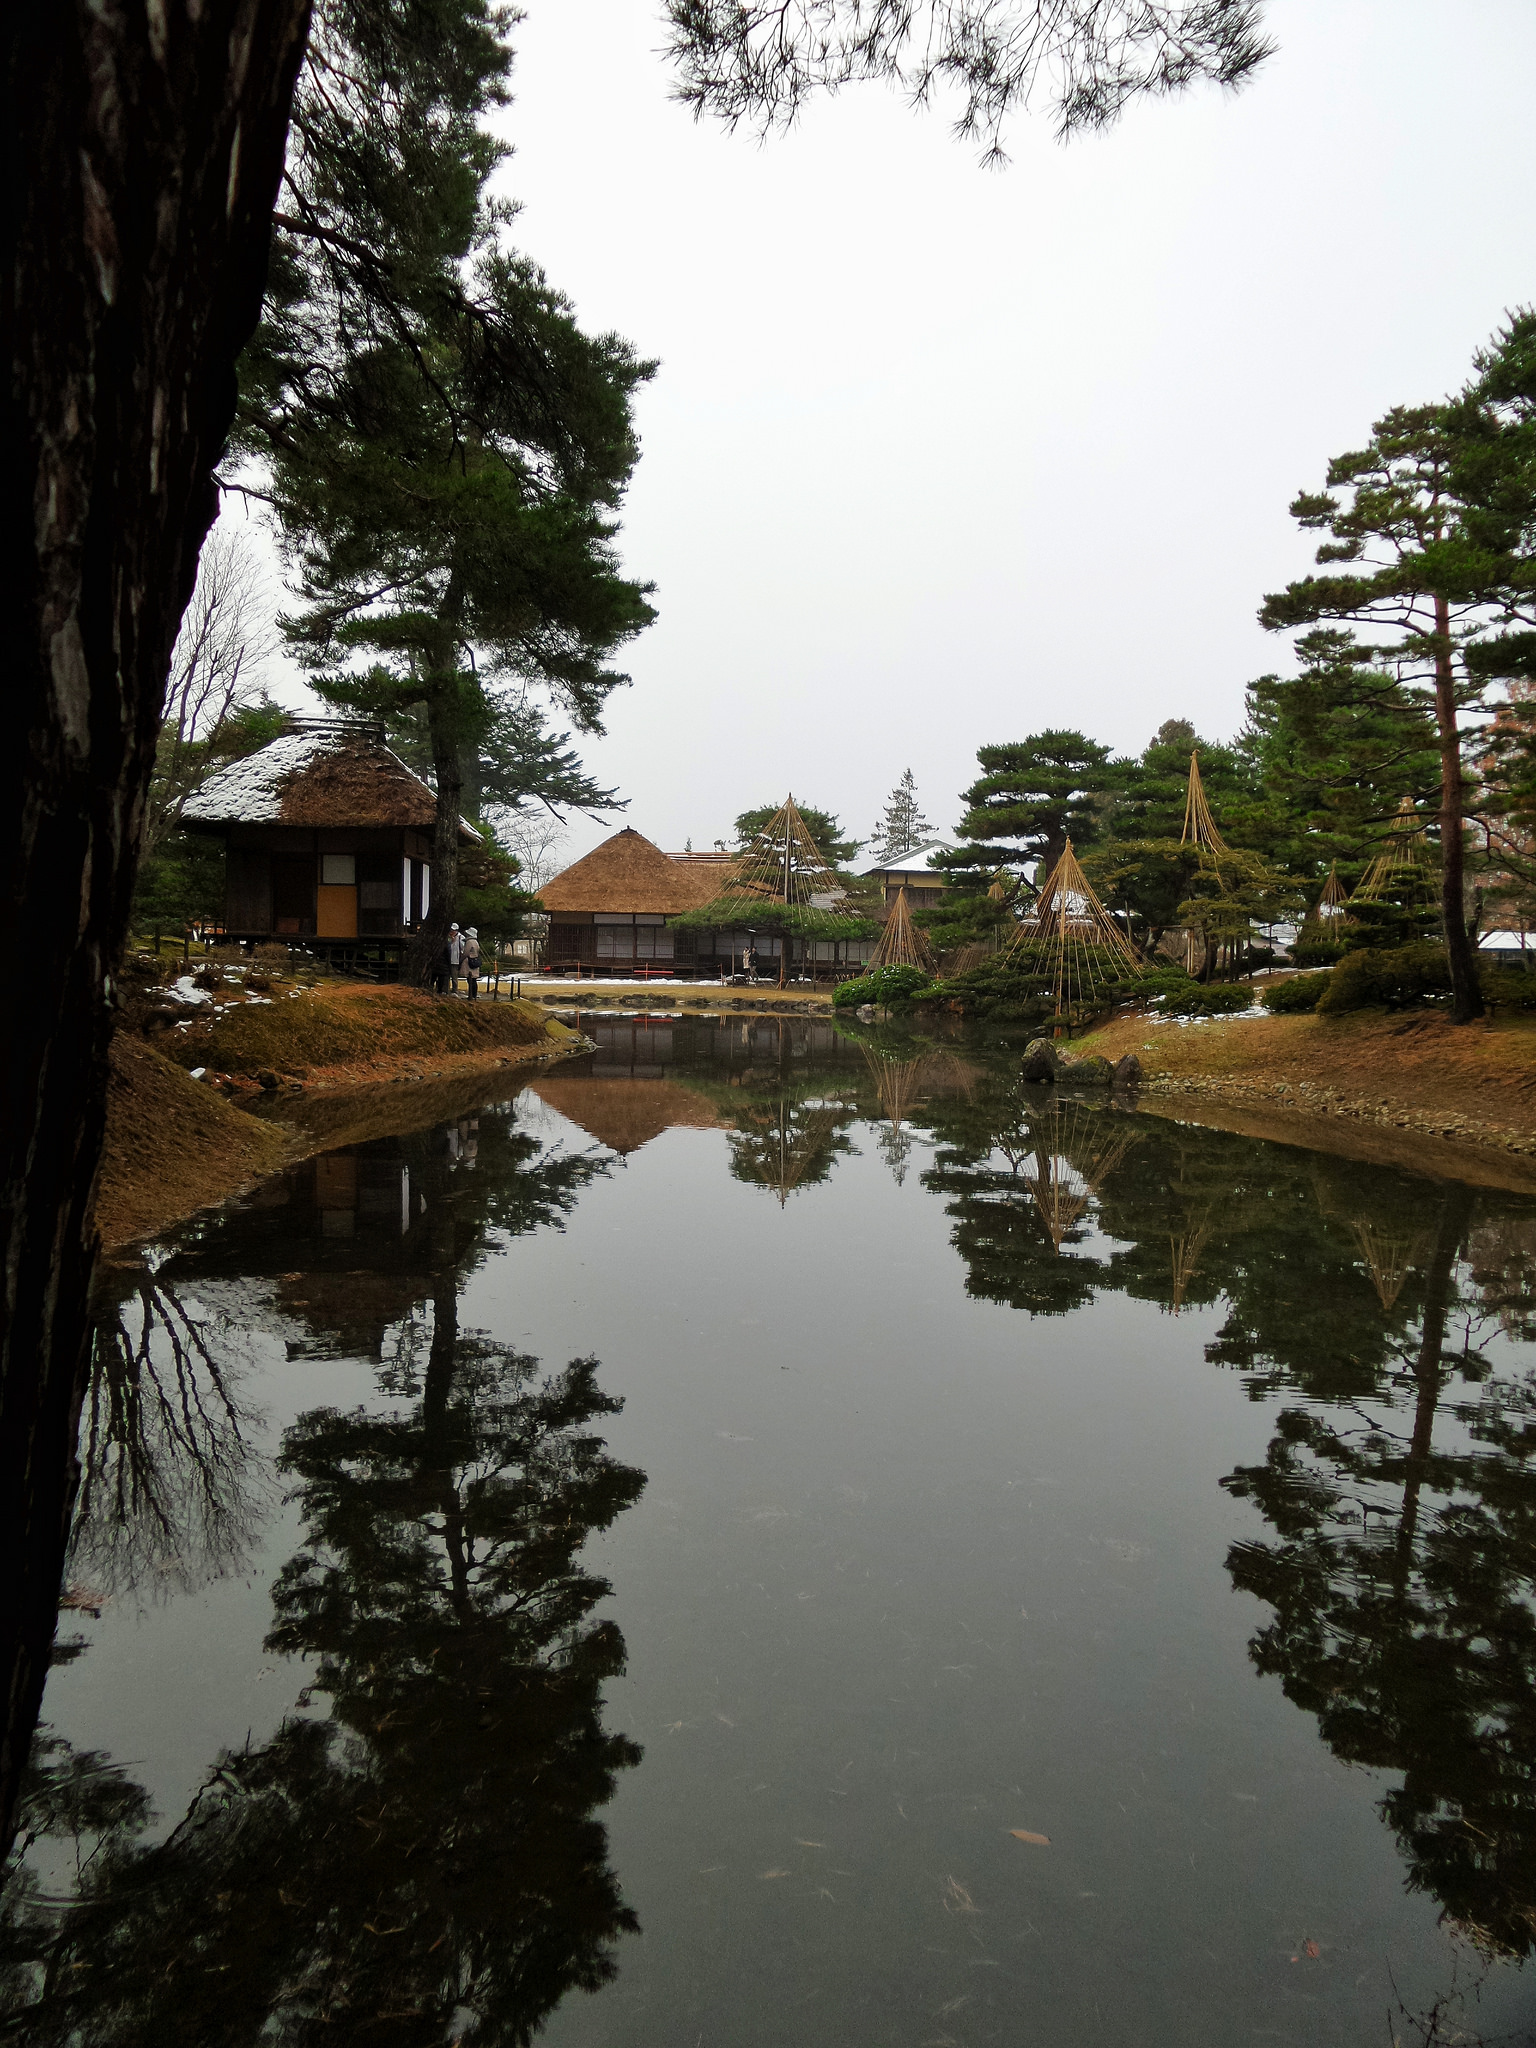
[
  {"x": 472, "y": 962},
  {"x": 445, "y": 967}
]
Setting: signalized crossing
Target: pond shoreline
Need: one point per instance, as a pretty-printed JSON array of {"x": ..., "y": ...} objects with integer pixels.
[
  {"x": 174, "y": 1146},
  {"x": 1413, "y": 1090}
]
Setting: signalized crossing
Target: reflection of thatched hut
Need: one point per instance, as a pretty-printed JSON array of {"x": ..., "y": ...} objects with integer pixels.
[{"x": 624, "y": 1115}]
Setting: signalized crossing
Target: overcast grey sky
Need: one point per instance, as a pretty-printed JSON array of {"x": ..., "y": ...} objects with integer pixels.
[{"x": 939, "y": 455}]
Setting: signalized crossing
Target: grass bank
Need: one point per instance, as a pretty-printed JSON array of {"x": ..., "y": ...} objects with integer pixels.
[
  {"x": 1415, "y": 1078},
  {"x": 323, "y": 1062}
]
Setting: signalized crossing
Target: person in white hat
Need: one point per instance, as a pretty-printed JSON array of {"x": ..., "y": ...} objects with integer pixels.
[{"x": 472, "y": 961}]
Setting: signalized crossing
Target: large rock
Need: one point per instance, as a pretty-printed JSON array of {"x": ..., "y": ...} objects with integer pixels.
[
  {"x": 1040, "y": 1061},
  {"x": 1128, "y": 1071},
  {"x": 1093, "y": 1072}
]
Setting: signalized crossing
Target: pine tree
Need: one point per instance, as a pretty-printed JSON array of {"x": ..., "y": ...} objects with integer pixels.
[
  {"x": 1032, "y": 796},
  {"x": 446, "y": 446},
  {"x": 902, "y": 824},
  {"x": 1428, "y": 544}
]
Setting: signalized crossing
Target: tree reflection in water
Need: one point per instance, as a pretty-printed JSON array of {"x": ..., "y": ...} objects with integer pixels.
[
  {"x": 420, "y": 1861},
  {"x": 172, "y": 1491},
  {"x": 1401, "y": 1585},
  {"x": 1400, "y": 1481}
]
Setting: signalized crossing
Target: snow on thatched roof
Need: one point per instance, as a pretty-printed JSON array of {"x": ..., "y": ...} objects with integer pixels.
[
  {"x": 330, "y": 776},
  {"x": 629, "y": 873}
]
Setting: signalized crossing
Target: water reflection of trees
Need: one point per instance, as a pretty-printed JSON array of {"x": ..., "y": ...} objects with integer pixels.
[
  {"x": 172, "y": 1488},
  {"x": 426, "y": 1861},
  {"x": 1399, "y": 1487},
  {"x": 416, "y": 1855},
  {"x": 1401, "y": 1586}
]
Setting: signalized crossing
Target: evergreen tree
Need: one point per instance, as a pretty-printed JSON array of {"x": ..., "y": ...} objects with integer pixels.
[
  {"x": 1335, "y": 747},
  {"x": 1429, "y": 544},
  {"x": 902, "y": 824},
  {"x": 446, "y": 446},
  {"x": 1092, "y": 57},
  {"x": 1031, "y": 797},
  {"x": 823, "y": 826}
]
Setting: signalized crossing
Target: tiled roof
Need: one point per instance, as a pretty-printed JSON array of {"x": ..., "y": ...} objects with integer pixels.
[{"x": 908, "y": 861}]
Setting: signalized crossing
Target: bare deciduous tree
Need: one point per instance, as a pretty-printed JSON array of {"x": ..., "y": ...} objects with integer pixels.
[
  {"x": 227, "y": 635},
  {"x": 538, "y": 838}
]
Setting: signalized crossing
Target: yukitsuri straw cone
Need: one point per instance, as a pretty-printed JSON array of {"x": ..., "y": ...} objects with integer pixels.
[
  {"x": 1400, "y": 865},
  {"x": 1199, "y": 825},
  {"x": 1071, "y": 937},
  {"x": 901, "y": 944}
]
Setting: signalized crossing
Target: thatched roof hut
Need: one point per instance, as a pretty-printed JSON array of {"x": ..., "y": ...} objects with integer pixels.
[
  {"x": 327, "y": 835},
  {"x": 628, "y": 874}
]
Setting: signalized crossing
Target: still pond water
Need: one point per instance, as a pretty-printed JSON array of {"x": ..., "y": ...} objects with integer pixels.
[{"x": 787, "y": 1536}]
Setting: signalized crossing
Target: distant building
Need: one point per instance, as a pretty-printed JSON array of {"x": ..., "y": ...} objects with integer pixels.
[
  {"x": 608, "y": 915},
  {"x": 608, "y": 912},
  {"x": 327, "y": 836},
  {"x": 912, "y": 870}
]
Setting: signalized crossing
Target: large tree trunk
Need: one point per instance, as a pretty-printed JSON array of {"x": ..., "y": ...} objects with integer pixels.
[
  {"x": 1466, "y": 991},
  {"x": 143, "y": 149},
  {"x": 447, "y": 770}
]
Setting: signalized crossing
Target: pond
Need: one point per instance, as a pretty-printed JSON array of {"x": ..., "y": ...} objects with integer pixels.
[{"x": 786, "y": 1534}]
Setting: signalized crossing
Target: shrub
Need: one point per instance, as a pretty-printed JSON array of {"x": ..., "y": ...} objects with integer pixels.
[
  {"x": 1389, "y": 979},
  {"x": 1298, "y": 992},
  {"x": 1317, "y": 952},
  {"x": 1004, "y": 987},
  {"x": 892, "y": 987},
  {"x": 1513, "y": 987},
  {"x": 1208, "y": 999}
]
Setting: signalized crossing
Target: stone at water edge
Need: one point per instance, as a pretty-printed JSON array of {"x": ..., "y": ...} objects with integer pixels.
[
  {"x": 1040, "y": 1061},
  {"x": 1128, "y": 1071},
  {"x": 1092, "y": 1072}
]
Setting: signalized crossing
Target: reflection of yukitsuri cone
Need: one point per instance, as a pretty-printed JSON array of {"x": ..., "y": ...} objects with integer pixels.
[
  {"x": 1090, "y": 1140},
  {"x": 1071, "y": 937},
  {"x": 1186, "y": 1252},
  {"x": 1060, "y": 1194},
  {"x": 901, "y": 943},
  {"x": 897, "y": 1087},
  {"x": 1389, "y": 1260},
  {"x": 946, "y": 1073},
  {"x": 787, "y": 1153}
]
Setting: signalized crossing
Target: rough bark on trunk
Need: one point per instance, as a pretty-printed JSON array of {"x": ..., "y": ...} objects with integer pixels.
[
  {"x": 143, "y": 149},
  {"x": 447, "y": 769},
  {"x": 1466, "y": 992}
]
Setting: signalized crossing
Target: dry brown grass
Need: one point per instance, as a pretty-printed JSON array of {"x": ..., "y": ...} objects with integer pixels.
[
  {"x": 172, "y": 1145},
  {"x": 348, "y": 1030},
  {"x": 1416, "y": 1073}
]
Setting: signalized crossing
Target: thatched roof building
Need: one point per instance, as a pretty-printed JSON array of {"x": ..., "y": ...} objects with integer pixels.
[
  {"x": 628, "y": 873},
  {"x": 609, "y": 914},
  {"x": 327, "y": 835}
]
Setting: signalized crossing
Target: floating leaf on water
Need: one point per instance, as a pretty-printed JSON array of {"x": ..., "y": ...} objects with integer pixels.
[
  {"x": 1312, "y": 1949},
  {"x": 1027, "y": 1835}
]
